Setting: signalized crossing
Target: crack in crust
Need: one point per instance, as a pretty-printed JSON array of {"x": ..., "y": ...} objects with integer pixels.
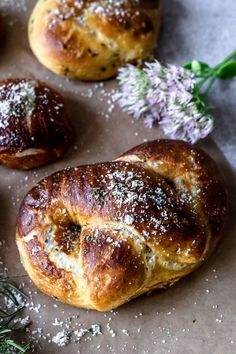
[{"x": 111, "y": 231}]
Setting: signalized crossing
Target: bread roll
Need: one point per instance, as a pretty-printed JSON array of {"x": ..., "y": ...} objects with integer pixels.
[
  {"x": 34, "y": 125},
  {"x": 90, "y": 40},
  {"x": 97, "y": 236},
  {"x": 1, "y": 34}
]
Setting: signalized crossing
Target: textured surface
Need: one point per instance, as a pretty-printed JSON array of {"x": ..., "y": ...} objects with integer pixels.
[
  {"x": 35, "y": 128},
  {"x": 144, "y": 222},
  {"x": 89, "y": 40},
  {"x": 198, "y": 314}
]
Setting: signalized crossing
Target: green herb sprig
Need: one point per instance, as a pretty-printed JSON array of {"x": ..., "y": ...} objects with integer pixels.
[
  {"x": 208, "y": 75},
  {"x": 99, "y": 194},
  {"x": 7, "y": 327}
]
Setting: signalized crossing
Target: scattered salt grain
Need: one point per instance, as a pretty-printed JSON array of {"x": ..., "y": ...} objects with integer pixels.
[
  {"x": 62, "y": 338},
  {"x": 125, "y": 332},
  {"x": 94, "y": 330}
]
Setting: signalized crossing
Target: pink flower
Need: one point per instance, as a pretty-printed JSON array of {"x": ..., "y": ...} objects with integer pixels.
[{"x": 164, "y": 94}]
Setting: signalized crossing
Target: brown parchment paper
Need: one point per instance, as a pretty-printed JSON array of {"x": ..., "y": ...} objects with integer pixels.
[{"x": 197, "y": 315}]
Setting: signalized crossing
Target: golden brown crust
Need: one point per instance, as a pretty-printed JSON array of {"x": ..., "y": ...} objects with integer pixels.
[
  {"x": 90, "y": 39},
  {"x": 112, "y": 231},
  {"x": 1, "y": 34},
  {"x": 34, "y": 124},
  {"x": 202, "y": 184}
]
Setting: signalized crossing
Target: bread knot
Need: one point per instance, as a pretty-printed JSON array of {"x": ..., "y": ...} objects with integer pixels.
[{"x": 99, "y": 235}]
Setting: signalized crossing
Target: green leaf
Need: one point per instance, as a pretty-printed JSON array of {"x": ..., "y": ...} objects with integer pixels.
[
  {"x": 197, "y": 67},
  {"x": 227, "y": 71},
  {"x": 200, "y": 68},
  {"x": 5, "y": 331},
  {"x": 204, "y": 65},
  {"x": 187, "y": 65},
  {"x": 6, "y": 326},
  {"x": 21, "y": 348}
]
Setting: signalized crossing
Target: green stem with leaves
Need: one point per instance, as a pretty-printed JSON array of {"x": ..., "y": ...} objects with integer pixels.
[
  {"x": 224, "y": 70},
  {"x": 7, "y": 327},
  {"x": 207, "y": 75}
]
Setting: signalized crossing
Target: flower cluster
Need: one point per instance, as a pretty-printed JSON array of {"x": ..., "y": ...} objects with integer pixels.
[{"x": 164, "y": 94}]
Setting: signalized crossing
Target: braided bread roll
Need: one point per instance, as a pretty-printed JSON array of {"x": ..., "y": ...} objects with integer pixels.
[
  {"x": 90, "y": 39},
  {"x": 99, "y": 235}
]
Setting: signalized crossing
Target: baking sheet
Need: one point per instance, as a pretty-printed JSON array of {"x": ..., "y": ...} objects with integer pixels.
[{"x": 197, "y": 315}]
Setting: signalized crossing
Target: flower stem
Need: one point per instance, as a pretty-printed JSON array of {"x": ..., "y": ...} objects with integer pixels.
[
  {"x": 226, "y": 60},
  {"x": 212, "y": 75},
  {"x": 201, "y": 83},
  {"x": 211, "y": 82}
]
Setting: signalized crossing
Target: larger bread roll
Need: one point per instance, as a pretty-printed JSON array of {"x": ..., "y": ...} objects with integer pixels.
[
  {"x": 97, "y": 236},
  {"x": 90, "y": 39}
]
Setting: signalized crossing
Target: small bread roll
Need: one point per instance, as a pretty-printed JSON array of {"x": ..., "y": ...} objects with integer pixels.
[
  {"x": 34, "y": 126},
  {"x": 97, "y": 236},
  {"x": 1, "y": 34},
  {"x": 90, "y": 40}
]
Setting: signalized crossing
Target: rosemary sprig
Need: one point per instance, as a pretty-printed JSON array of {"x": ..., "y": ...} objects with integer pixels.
[{"x": 7, "y": 327}]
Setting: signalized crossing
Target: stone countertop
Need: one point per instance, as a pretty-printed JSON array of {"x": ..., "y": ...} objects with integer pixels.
[{"x": 205, "y": 30}]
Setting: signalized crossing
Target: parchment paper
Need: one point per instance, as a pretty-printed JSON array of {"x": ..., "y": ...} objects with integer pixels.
[{"x": 197, "y": 315}]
